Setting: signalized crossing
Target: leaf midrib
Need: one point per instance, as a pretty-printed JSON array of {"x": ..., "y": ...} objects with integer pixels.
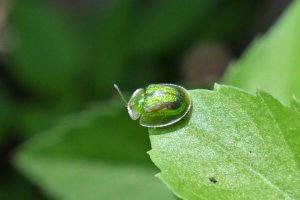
[{"x": 262, "y": 176}]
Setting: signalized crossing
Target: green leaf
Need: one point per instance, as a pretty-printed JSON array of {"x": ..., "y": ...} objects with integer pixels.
[
  {"x": 96, "y": 154},
  {"x": 72, "y": 179},
  {"x": 272, "y": 61},
  {"x": 234, "y": 146}
]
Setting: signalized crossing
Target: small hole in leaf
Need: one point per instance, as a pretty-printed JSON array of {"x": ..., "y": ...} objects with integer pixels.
[{"x": 213, "y": 179}]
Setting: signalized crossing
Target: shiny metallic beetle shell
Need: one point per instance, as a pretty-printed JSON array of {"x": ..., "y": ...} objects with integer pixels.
[{"x": 159, "y": 105}]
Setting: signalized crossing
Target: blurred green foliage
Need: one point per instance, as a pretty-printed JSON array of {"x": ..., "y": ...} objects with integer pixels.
[
  {"x": 64, "y": 55},
  {"x": 86, "y": 157},
  {"x": 45, "y": 61},
  {"x": 61, "y": 60},
  {"x": 272, "y": 62},
  {"x": 6, "y": 111}
]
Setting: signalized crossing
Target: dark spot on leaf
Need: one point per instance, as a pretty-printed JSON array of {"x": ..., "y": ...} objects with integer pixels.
[{"x": 213, "y": 179}]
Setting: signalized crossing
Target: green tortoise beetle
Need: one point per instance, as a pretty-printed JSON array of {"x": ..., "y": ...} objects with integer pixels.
[{"x": 158, "y": 105}]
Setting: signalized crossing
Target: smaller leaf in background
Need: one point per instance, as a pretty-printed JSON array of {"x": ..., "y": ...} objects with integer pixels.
[
  {"x": 78, "y": 179},
  {"x": 272, "y": 62},
  {"x": 96, "y": 154},
  {"x": 234, "y": 146},
  {"x": 47, "y": 55}
]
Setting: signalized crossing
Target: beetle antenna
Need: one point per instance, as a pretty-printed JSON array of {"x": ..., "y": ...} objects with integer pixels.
[{"x": 121, "y": 95}]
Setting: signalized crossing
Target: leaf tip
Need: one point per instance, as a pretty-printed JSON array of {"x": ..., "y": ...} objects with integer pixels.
[
  {"x": 217, "y": 86},
  {"x": 158, "y": 175},
  {"x": 149, "y": 152}
]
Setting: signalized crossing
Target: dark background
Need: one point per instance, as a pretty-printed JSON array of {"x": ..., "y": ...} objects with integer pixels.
[{"x": 58, "y": 56}]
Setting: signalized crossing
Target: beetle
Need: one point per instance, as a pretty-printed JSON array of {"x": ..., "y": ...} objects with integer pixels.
[{"x": 158, "y": 105}]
